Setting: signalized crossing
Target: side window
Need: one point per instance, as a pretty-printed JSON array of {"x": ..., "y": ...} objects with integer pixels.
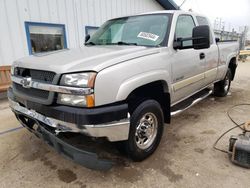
[
  {"x": 184, "y": 28},
  {"x": 203, "y": 21}
]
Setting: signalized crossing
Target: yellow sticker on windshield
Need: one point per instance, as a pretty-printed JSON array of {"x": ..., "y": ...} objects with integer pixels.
[{"x": 148, "y": 36}]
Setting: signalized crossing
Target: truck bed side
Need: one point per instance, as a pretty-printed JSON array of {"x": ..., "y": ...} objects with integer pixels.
[{"x": 227, "y": 51}]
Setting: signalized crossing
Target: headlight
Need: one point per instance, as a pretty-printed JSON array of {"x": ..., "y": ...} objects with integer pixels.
[
  {"x": 79, "y": 79},
  {"x": 85, "y": 80},
  {"x": 76, "y": 100}
]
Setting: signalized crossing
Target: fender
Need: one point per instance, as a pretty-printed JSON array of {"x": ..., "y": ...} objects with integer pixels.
[
  {"x": 142, "y": 79},
  {"x": 228, "y": 60}
]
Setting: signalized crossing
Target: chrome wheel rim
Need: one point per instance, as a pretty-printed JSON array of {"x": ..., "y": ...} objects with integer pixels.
[
  {"x": 146, "y": 131},
  {"x": 226, "y": 86}
]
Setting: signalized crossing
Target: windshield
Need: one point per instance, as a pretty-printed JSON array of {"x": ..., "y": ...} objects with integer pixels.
[{"x": 143, "y": 30}]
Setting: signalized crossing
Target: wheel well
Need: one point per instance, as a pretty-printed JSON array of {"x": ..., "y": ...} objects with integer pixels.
[
  {"x": 158, "y": 91},
  {"x": 232, "y": 66}
]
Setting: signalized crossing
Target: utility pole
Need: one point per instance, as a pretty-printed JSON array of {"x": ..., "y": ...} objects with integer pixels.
[
  {"x": 220, "y": 23},
  {"x": 243, "y": 38}
]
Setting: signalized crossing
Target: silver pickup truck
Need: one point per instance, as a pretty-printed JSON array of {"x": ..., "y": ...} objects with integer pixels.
[{"x": 128, "y": 79}]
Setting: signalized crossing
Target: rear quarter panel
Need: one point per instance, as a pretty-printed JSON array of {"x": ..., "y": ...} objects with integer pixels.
[{"x": 227, "y": 51}]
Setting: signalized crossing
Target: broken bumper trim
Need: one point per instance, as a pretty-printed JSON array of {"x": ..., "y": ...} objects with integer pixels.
[
  {"x": 85, "y": 158},
  {"x": 113, "y": 131}
]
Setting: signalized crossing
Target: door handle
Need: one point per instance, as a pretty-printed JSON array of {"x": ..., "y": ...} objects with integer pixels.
[{"x": 202, "y": 55}]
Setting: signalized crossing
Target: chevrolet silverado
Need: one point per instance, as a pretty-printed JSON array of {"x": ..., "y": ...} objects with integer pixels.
[{"x": 123, "y": 84}]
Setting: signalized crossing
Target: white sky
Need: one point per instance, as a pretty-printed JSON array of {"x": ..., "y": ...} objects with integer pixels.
[{"x": 235, "y": 13}]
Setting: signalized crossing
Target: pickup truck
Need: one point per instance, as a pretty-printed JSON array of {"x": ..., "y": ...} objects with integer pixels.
[{"x": 124, "y": 84}]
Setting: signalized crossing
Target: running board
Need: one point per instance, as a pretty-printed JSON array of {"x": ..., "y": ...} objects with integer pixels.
[{"x": 189, "y": 102}]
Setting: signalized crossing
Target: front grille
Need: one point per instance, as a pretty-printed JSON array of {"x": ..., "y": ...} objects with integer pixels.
[
  {"x": 38, "y": 75},
  {"x": 31, "y": 91}
]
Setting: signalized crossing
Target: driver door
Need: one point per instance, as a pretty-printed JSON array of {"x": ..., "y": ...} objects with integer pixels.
[{"x": 188, "y": 65}]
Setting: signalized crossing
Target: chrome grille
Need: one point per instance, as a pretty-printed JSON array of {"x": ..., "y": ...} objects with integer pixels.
[
  {"x": 42, "y": 76},
  {"x": 31, "y": 92}
]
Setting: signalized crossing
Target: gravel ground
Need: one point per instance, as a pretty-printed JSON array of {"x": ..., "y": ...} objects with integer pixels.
[{"x": 185, "y": 157}]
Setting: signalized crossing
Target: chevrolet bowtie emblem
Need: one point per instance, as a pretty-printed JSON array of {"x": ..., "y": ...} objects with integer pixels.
[{"x": 26, "y": 82}]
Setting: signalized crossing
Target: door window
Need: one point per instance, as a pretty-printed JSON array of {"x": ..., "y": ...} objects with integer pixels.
[
  {"x": 184, "y": 29},
  {"x": 203, "y": 21}
]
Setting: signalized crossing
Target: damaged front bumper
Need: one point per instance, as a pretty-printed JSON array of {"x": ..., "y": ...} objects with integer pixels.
[
  {"x": 85, "y": 158},
  {"x": 82, "y": 157},
  {"x": 113, "y": 131},
  {"x": 48, "y": 128}
]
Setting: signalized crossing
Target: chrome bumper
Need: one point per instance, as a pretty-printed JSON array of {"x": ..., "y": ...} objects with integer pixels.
[{"x": 113, "y": 131}]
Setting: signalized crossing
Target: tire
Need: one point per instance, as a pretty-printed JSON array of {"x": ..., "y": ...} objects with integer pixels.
[
  {"x": 142, "y": 141},
  {"x": 222, "y": 87}
]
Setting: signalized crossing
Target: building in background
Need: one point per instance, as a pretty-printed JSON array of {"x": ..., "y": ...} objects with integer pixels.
[{"x": 34, "y": 26}]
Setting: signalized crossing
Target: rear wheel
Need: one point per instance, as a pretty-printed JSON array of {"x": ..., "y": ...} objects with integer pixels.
[
  {"x": 222, "y": 87},
  {"x": 146, "y": 128}
]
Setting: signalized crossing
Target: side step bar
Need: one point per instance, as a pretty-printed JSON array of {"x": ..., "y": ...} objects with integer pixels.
[{"x": 189, "y": 102}]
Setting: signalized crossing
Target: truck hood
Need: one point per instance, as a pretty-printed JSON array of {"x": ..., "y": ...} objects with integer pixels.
[{"x": 87, "y": 58}]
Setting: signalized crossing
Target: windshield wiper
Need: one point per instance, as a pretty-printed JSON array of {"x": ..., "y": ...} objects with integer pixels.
[
  {"x": 90, "y": 43},
  {"x": 126, "y": 43},
  {"x": 118, "y": 43}
]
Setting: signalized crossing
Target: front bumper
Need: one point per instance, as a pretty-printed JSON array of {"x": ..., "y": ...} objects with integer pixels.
[
  {"x": 83, "y": 157},
  {"x": 113, "y": 131}
]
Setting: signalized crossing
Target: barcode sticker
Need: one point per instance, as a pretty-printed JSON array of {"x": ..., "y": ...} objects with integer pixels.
[{"x": 148, "y": 36}]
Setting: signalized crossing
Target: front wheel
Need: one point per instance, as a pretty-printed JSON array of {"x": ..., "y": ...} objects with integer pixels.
[
  {"x": 146, "y": 128},
  {"x": 222, "y": 87}
]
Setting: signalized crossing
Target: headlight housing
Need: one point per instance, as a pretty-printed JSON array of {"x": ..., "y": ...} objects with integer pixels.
[
  {"x": 76, "y": 100},
  {"x": 79, "y": 79}
]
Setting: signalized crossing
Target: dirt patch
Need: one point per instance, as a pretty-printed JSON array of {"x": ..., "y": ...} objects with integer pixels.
[
  {"x": 187, "y": 117},
  {"x": 208, "y": 132},
  {"x": 199, "y": 150},
  {"x": 189, "y": 139},
  {"x": 48, "y": 163},
  {"x": 160, "y": 163},
  {"x": 66, "y": 175},
  {"x": 163, "y": 166},
  {"x": 79, "y": 183},
  {"x": 129, "y": 174},
  {"x": 31, "y": 148},
  {"x": 171, "y": 175}
]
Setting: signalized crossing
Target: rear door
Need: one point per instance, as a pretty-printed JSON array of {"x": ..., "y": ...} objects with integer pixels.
[{"x": 187, "y": 64}]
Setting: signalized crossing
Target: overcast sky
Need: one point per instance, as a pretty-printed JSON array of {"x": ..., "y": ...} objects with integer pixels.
[{"x": 235, "y": 13}]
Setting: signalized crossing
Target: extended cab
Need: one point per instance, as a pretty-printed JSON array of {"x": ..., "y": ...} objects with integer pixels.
[{"x": 128, "y": 79}]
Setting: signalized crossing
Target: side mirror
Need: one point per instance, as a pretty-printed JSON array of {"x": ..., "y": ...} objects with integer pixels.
[
  {"x": 217, "y": 39},
  {"x": 178, "y": 44},
  {"x": 87, "y": 37},
  {"x": 201, "y": 37}
]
